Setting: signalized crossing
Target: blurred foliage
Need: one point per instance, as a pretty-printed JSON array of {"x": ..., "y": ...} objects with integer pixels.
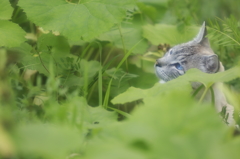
[{"x": 70, "y": 70}]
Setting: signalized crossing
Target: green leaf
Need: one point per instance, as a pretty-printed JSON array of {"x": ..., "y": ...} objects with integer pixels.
[
  {"x": 47, "y": 140},
  {"x": 3, "y": 59},
  {"x": 75, "y": 111},
  {"x": 92, "y": 67},
  {"x": 130, "y": 95},
  {"x": 148, "y": 10},
  {"x": 86, "y": 19},
  {"x": 163, "y": 33},
  {"x": 155, "y": 2},
  {"x": 11, "y": 34},
  {"x": 120, "y": 80},
  {"x": 171, "y": 126},
  {"x": 180, "y": 83},
  {"x": 146, "y": 77},
  {"x": 5, "y": 10},
  {"x": 101, "y": 116},
  {"x": 133, "y": 94},
  {"x": 55, "y": 45},
  {"x": 120, "y": 74},
  {"x": 208, "y": 79},
  {"x": 50, "y": 48},
  {"x": 130, "y": 36},
  {"x": 154, "y": 9},
  {"x": 29, "y": 59}
]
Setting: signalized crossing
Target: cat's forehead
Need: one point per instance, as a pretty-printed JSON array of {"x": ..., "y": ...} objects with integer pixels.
[{"x": 185, "y": 48}]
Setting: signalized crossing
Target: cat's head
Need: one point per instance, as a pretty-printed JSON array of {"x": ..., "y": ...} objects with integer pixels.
[{"x": 193, "y": 54}]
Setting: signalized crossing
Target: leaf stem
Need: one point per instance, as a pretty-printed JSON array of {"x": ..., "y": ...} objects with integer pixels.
[
  {"x": 212, "y": 96},
  {"x": 42, "y": 63},
  {"x": 204, "y": 94},
  {"x": 197, "y": 90}
]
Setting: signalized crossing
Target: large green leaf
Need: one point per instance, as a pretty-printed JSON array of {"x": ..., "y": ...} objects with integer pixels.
[
  {"x": 170, "y": 126},
  {"x": 131, "y": 36},
  {"x": 5, "y": 10},
  {"x": 208, "y": 79},
  {"x": 11, "y": 34},
  {"x": 181, "y": 83},
  {"x": 85, "y": 19},
  {"x": 170, "y": 34},
  {"x": 47, "y": 140},
  {"x": 64, "y": 131}
]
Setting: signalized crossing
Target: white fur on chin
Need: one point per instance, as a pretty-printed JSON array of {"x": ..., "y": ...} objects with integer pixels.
[{"x": 162, "y": 81}]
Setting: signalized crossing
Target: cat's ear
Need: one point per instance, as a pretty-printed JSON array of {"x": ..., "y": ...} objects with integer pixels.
[
  {"x": 211, "y": 63},
  {"x": 201, "y": 36}
]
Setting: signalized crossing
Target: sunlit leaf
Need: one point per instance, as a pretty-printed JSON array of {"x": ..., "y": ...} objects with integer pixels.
[
  {"x": 85, "y": 19},
  {"x": 181, "y": 83},
  {"x": 5, "y": 10},
  {"x": 208, "y": 79},
  {"x": 11, "y": 34}
]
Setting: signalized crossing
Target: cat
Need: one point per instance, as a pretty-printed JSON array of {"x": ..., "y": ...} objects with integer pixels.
[{"x": 196, "y": 53}]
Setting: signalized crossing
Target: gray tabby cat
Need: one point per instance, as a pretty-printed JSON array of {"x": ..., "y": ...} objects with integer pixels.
[{"x": 194, "y": 54}]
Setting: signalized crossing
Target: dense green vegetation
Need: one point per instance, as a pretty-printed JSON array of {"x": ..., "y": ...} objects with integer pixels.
[{"x": 77, "y": 80}]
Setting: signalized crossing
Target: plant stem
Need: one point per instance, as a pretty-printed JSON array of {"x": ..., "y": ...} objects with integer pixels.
[
  {"x": 197, "y": 90},
  {"x": 124, "y": 48},
  {"x": 204, "y": 94},
  {"x": 43, "y": 63},
  {"x": 212, "y": 96}
]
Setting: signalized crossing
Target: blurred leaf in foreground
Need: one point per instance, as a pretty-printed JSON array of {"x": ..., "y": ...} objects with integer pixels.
[
  {"x": 48, "y": 140},
  {"x": 169, "y": 125},
  {"x": 180, "y": 83},
  {"x": 64, "y": 131},
  {"x": 6, "y": 145},
  {"x": 75, "y": 111}
]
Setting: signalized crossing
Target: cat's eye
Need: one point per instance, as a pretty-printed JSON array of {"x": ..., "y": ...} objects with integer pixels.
[
  {"x": 178, "y": 66},
  {"x": 170, "y": 52}
]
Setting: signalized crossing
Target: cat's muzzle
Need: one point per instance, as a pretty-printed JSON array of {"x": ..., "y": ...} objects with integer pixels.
[{"x": 160, "y": 73}]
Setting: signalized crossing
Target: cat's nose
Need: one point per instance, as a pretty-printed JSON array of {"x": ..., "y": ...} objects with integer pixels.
[{"x": 158, "y": 63}]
